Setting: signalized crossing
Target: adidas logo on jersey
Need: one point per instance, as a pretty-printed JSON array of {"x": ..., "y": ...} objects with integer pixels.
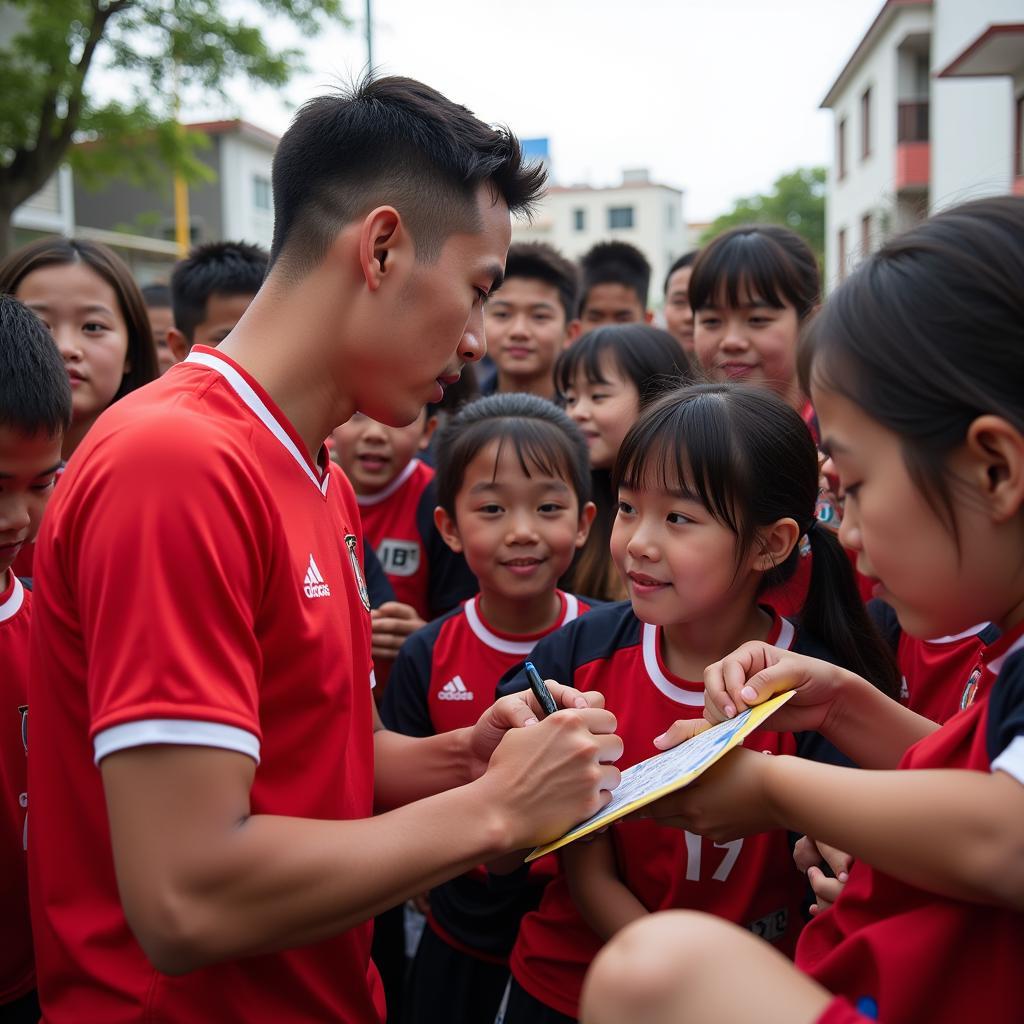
[
  {"x": 455, "y": 689},
  {"x": 313, "y": 584}
]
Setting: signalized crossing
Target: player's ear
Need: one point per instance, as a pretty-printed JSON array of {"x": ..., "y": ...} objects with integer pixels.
[
  {"x": 587, "y": 514},
  {"x": 178, "y": 343},
  {"x": 448, "y": 528}
]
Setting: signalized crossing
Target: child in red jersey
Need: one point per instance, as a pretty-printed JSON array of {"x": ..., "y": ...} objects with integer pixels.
[
  {"x": 916, "y": 371},
  {"x": 35, "y": 408},
  {"x": 716, "y": 484},
  {"x": 512, "y": 487}
]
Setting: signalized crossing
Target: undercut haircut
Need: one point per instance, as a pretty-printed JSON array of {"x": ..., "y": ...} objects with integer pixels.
[
  {"x": 35, "y": 393},
  {"x": 217, "y": 268},
  {"x": 395, "y": 142},
  {"x": 615, "y": 263},
  {"x": 542, "y": 436},
  {"x": 538, "y": 261}
]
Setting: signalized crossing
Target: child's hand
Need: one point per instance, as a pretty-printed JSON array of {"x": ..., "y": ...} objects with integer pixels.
[
  {"x": 757, "y": 671},
  {"x": 392, "y": 623},
  {"x": 809, "y": 854}
]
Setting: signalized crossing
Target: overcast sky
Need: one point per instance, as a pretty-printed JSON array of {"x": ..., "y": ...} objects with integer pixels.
[{"x": 717, "y": 97}]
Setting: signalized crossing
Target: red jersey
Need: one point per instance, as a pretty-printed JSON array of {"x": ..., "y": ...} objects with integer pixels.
[
  {"x": 751, "y": 881},
  {"x": 197, "y": 592},
  {"x": 913, "y": 955},
  {"x": 17, "y": 975}
]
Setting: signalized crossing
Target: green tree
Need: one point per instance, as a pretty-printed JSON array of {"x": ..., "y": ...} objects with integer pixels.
[
  {"x": 159, "y": 50},
  {"x": 797, "y": 201}
]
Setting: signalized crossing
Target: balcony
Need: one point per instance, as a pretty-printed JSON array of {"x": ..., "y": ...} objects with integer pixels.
[{"x": 913, "y": 149}]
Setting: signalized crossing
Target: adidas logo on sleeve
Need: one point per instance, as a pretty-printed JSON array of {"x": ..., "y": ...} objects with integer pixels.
[
  {"x": 313, "y": 584},
  {"x": 455, "y": 689}
]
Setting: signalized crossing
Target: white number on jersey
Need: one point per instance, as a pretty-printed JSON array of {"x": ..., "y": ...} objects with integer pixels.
[{"x": 694, "y": 850}]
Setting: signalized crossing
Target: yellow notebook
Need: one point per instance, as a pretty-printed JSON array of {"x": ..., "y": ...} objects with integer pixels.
[{"x": 666, "y": 772}]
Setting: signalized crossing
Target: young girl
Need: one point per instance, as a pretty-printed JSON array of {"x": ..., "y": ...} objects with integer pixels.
[
  {"x": 86, "y": 296},
  {"x": 512, "y": 486},
  {"x": 716, "y": 485},
  {"x": 916, "y": 368},
  {"x": 605, "y": 380}
]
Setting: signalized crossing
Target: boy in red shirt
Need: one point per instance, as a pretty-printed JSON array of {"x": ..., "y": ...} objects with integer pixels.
[
  {"x": 214, "y": 758},
  {"x": 35, "y": 409}
]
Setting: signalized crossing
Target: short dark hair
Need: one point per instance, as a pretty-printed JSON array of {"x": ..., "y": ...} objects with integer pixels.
[
  {"x": 764, "y": 260},
  {"x": 156, "y": 295},
  {"x": 686, "y": 260},
  {"x": 35, "y": 394},
  {"x": 217, "y": 268},
  {"x": 615, "y": 263},
  {"x": 539, "y": 261},
  {"x": 928, "y": 334},
  {"x": 750, "y": 460},
  {"x": 390, "y": 141},
  {"x": 540, "y": 434},
  {"x": 58, "y": 251}
]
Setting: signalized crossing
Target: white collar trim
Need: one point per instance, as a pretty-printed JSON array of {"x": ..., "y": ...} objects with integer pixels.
[
  {"x": 13, "y": 604},
  {"x": 952, "y": 639},
  {"x": 242, "y": 388},
  {"x": 995, "y": 667},
  {"x": 366, "y": 500},
  {"x": 500, "y": 643}
]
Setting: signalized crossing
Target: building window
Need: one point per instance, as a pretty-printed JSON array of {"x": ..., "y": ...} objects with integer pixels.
[
  {"x": 865, "y": 236},
  {"x": 865, "y": 124},
  {"x": 261, "y": 192},
  {"x": 620, "y": 216},
  {"x": 841, "y": 149},
  {"x": 841, "y": 255},
  {"x": 579, "y": 219}
]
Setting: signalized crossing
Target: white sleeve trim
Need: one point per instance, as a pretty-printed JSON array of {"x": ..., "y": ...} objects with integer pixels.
[
  {"x": 1011, "y": 760},
  {"x": 178, "y": 731},
  {"x": 373, "y": 679}
]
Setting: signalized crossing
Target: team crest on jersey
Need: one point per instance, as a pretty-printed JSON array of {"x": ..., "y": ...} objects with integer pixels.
[
  {"x": 353, "y": 556},
  {"x": 314, "y": 585},
  {"x": 399, "y": 557}
]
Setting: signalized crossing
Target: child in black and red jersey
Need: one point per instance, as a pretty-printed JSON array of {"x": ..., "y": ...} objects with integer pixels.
[
  {"x": 916, "y": 368},
  {"x": 512, "y": 491},
  {"x": 716, "y": 485},
  {"x": 35, "y": 409}
]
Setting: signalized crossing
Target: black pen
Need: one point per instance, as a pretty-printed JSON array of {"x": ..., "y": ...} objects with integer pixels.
[{"x": 540, "y": 691}]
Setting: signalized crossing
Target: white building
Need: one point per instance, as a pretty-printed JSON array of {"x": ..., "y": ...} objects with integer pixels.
[
  {"x": 639, "y": 211},
  {"x": 910, "y": 135},
  {"x": 51, "y": 210}
]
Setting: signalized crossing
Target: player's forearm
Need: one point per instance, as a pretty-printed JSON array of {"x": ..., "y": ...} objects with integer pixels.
[
  {"x": 955, "y": 833},
  {"x": 872, "y": 730},
  {"x": 604, "y": 902},
  {"x": 409, "y": 768},
  {"x": 277, "y": 883}
]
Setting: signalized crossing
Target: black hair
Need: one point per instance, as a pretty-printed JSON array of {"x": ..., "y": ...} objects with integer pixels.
[
  {"x": 655, "y": 362},
  {"x": 216, "y": 268},
  {"x": 58, "y": 251},
  {"x": 35, "y": 394},
  {"x": 765, "y": 261},
  {"x": 749, "y": 458},
  {"x": 615, "y": 263},
  {"x": 390, "y": 141},
  {"x": 686, "y": 260},
  {"x": 542, "y": 262},
  {"x": 156, "y": 295},
  {"x": 928, "y": 334},
  {"x": 540, "y": 434}
]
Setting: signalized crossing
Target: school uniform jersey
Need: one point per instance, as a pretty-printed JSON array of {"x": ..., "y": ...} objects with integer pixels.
[
  {"x": 399, "y": 523},
  {"x": 17, "y": 975},
  {"x": 444, "y": 678},
  {"x": 202, "y": 588},
  {"x": 907, "y": 955},
  {"x": 751, "y": 881}
]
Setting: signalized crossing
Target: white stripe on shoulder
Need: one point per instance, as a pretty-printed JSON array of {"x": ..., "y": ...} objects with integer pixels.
[
  {"x": 1011, "y": 760},
  {"x": 184, "y": 732},
  {"x": 13, "y": 604},
  {"x": 572, "y": 608},
  {"x": 496, "y": 643},
  {"x": 691, "y": 698},
  {"x": 256, "y": 404},
  {"x": 369, "y": 500},
  {"x": 787, "y": 634},
  {"x": 996, "y": 666}
]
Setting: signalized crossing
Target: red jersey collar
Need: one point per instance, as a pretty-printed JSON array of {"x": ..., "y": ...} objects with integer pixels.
[
  {"x": 12, "y": 598},
  {"x": 265, "y": 410},
  {"x": 366, "y": 500},
  {"x": 508, "y": 643},
  {"x": 687, "y": 691}
]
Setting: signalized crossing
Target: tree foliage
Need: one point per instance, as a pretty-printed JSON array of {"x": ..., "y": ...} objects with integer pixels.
[
  {"x": 159, "y": 51},
  {"x": 797, "y": 201}
]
